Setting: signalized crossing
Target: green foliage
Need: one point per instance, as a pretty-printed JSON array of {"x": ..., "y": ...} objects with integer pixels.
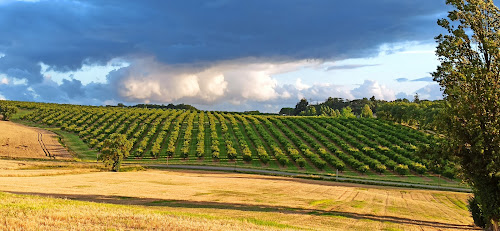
[
  {"x": 324, "y": 142},
  {"x": 347, "y": 113},
  {"x": 301, "y": 162},
  {"x": 363, "y": 168},
  {"x": 424, "y": 114},
  {"x": 328, "y": 111},
  {"x": 215, "y": 155},
  {"x": 402, "y": 169},
  {"x": 247, "y": 155},
  {"x": 286, "y": 111},
  {"x": 367, "y": 112},
  {"x": 311, "y": 111},
  {"x": 301, "y": 106},
  {"x": 200, "y": 147},
  {"x": 420, "y": 168},
  {"x": 7, "y": 111},
  {"x": 470, "y": 62},
  {"x": 477, "y": 214},
  {"x": 114, "y": 149}
]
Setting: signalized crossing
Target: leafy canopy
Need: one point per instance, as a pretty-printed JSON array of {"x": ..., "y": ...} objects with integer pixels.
[
  {"x": 114, "y": 149},
  {"x": 367, "y": 112},
  {"x": 7, "y": 111},
  {"x": 469, "y": 75}
]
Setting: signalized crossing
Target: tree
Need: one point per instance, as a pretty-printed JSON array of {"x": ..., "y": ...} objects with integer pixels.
[
  {"x": 114, "y": 149},
  {"x": 367, "y": 112},
  {"x": 469, "y": 75},
  {"x": 7, "y": 111},
  {"x": 416, "y": 98},
  {"x": 347, "y": 112},
  {"x": 310, "y": 111},
  {"x": 301, "y": 106},
  {"x": 286, "y": 111}
]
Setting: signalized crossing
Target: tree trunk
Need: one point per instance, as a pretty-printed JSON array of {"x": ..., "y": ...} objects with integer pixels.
[
  {"x": 494, "y": 226},
  {"x": 116, "y": 166}
]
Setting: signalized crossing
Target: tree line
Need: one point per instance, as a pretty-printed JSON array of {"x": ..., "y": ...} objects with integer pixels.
[{"x": 422, "y": 113}]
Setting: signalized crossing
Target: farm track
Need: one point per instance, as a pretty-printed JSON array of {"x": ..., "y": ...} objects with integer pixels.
[{"x": 17, "y": 140}]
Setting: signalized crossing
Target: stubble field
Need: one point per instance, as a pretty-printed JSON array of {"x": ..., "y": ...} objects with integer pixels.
[
  {"x": 213, "y": 200},
  {"x": 20, "y": 141}
]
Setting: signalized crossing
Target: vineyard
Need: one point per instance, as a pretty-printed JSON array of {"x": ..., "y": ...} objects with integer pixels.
[{"x": 313, "y": 144}]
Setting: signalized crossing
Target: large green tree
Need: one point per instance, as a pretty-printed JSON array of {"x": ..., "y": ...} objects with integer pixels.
[
  {"x": 7, "y": 111},
  {"x": 301, "y": 106},
  {"x": 367, "y": 112},
  {"x": 114, "y": 149},
  {"x": 469, "y": 75}
]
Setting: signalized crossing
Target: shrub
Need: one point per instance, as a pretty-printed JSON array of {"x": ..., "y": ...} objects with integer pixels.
[
  {"x": 247, "y": 156},
  {"x": 301, "y": 162},
  {"x": 282, "y": 159},
  {"x": 363, "y": 168},
  {"x": 477, "y": 214},
  {"x": 264, "y": 158},
  {"x": 380, "y": 168},
  {"x": 215, "y": 155},
  {"x": 420, "y": 168},
  {"x": 449, "y": 172},
  {"x": 402, "y": 169},
  {"x": 231, "y": 152}
]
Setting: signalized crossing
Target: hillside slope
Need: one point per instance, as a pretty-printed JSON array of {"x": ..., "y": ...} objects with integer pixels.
[{"x": 312, "y": 144}]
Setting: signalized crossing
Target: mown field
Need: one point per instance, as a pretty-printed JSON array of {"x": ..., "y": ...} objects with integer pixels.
[
  {"x": 356, "y": 147},
  {"x": 48, "y": 195}
]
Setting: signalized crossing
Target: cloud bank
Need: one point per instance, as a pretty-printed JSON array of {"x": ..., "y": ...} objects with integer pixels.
[{"x": 201, "y": 52}]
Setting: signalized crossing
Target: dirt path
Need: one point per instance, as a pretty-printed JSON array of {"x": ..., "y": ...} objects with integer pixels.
[{"x": 21, "y": 141}]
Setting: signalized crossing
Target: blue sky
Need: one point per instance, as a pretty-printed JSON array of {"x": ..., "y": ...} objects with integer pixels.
[{"x": 217, "y": 54}]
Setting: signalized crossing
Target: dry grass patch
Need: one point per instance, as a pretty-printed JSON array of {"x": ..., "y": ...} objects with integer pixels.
[
  {"x": 18, "y": 168},
  {"x": 19, "y": 141},
  {"x": 22, "y": 212},
  {"x": 277, "y": 202}
]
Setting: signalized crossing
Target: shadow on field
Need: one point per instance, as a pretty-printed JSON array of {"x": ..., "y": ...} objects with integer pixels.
[{"x": 247, "y": 207}]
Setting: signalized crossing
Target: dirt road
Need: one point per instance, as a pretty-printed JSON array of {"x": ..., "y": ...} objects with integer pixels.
[{"x": 21, "y": 141}]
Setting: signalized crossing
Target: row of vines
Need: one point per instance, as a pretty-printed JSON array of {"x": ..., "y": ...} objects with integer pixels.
[{"x": 318, "y": 143}]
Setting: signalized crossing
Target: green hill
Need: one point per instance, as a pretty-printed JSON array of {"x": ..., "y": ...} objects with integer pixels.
[{"x": 354, "y": 146}]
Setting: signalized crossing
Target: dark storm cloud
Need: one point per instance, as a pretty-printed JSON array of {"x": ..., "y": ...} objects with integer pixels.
[
  {"x": 67, "y": 34},
  {"x": 73, "y": 88}
]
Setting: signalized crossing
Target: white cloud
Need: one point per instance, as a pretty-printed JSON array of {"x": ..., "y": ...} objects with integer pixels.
[
  {"x": 147, "y": 80},
  {"x": 371, "y": 88},
  {"x": 4, "y": 81},
  {"x": 2, "y": 97},
  {"x": 316, "y": 92},
  {"x": 431, "y": 92},
  {"x": 300, "y": 86}
]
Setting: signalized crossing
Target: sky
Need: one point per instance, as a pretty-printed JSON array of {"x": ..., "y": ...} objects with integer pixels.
[{"x": 232, "y": 55}]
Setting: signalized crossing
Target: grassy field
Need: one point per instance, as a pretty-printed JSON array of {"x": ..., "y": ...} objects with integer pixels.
[{"x": 88, "y": 198}]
